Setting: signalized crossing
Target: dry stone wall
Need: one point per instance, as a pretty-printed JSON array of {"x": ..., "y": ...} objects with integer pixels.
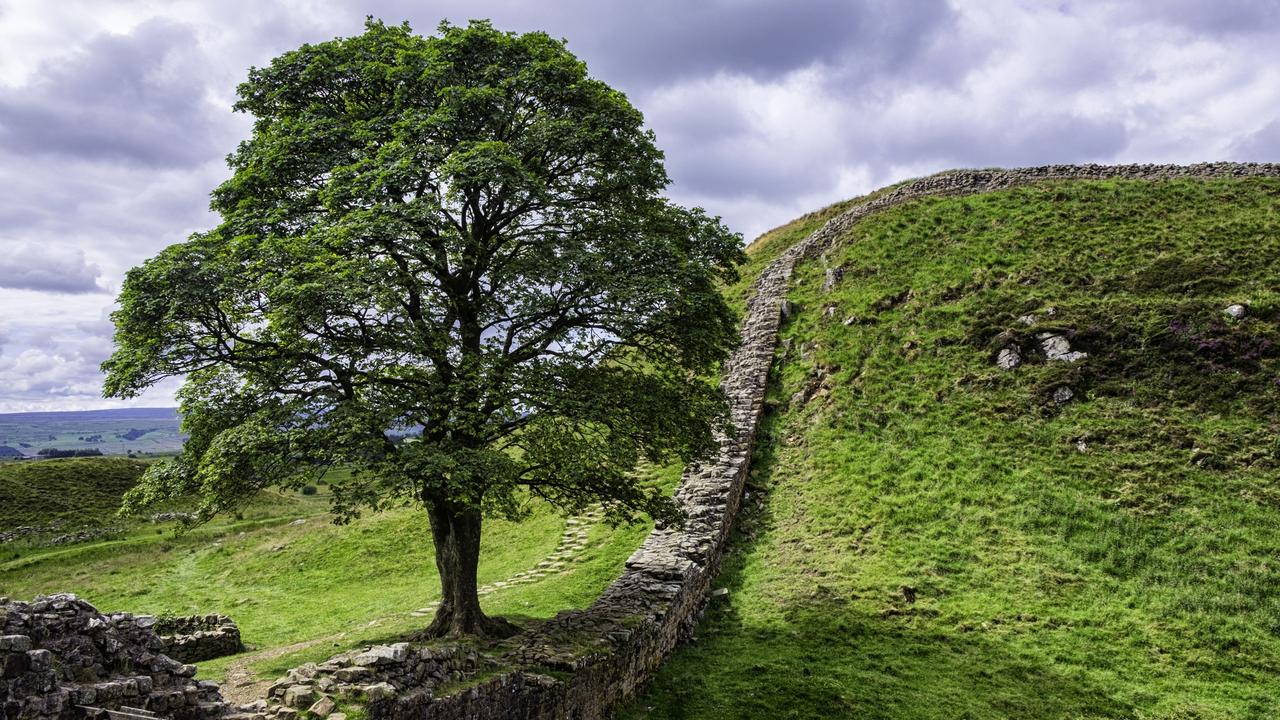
[
  {"x": 194, "y": 638},
  {"x": 582, "y": 664}
]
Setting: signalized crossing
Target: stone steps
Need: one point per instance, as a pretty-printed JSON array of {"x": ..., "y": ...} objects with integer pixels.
[{"x": 572, "y": 542}]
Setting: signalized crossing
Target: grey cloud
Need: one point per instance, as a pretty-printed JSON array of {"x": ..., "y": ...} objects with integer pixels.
[
  {"x": 124, "y": 212},
  {"x": 723, "y": 170},
  {"x": 54, "y": 364},
  {"x": 1012, "y": 141},
  {"x": 1261, "y": 146},
  {"x": 672, "y": 39},
  {"x": 135, "y": 98},
  {"x": 58, "y": 270},
  {"x": 62, "y": 379},
  {"x": 720, "y": 170},
  {"x": 35, "y": 376},
  {"x": 1219, "y": 17},
  {"x": 643, "y": 45}
]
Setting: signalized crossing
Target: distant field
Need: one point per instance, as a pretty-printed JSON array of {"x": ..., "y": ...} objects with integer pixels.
[{"x": 113, "y": 432}]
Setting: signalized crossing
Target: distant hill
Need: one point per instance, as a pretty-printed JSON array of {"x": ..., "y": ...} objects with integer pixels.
[
  {"x": 111, "y": 432},
  {"x": 75, "y": 493},
  {"x": 109, "y": 415}
]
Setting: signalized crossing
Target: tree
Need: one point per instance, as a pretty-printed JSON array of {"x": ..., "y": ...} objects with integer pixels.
[{"x": 461, "y": 235}]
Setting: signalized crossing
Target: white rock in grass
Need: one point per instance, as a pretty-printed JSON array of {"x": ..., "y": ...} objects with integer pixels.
[
  {"x": 323, "y": 707},
  {"x": 1057, "y": 347},
  {"x": 1009, "y": 358}
]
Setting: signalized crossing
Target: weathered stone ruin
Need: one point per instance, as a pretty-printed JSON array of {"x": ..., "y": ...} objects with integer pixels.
[
  {"x": 63, "y": 659},
  {"x": 199, "y": 637}
]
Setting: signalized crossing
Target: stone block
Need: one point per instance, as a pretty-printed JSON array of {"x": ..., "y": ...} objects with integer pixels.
[
  {"x": 299, "y": 696},
  {"x": 323, "y": 707},
  {"x": 379, "y": 691},
  {"x": 15, "y": 643}
]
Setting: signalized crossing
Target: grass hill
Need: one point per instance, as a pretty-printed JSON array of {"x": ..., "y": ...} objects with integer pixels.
[
  {"x": 930, "y": 535},
  {"x": 76, "y": 492}
]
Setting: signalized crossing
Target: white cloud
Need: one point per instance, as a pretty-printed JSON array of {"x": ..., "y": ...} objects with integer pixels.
[{"x": 54, "y": 269}]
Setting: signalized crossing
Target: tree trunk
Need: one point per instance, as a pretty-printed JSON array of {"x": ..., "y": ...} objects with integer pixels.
[{"x": 456, "y": 532}]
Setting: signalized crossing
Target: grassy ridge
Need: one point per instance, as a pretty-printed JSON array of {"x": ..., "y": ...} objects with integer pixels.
[
  {"x": 75, "y": 492},
  {"x": 942, "y": 539}
]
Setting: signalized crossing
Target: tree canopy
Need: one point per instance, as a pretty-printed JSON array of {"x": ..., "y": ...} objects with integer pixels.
[{"x": 462, "y": 238}]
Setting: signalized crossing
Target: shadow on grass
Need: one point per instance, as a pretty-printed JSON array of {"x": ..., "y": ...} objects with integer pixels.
[{"x": 827, "y": 657}]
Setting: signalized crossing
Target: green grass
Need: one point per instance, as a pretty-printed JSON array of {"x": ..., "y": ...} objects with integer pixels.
[
  {"x": 75, "y": 492},
  {"x": 285, "y": 583},
  {"x": 1138, "y": 577}
]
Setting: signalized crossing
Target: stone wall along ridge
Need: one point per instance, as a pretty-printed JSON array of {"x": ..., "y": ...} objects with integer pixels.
[{"x": 611, "y": 649}]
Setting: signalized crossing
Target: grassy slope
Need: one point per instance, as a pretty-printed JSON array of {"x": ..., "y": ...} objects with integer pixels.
[
  {"x": 1136, "y": 578},
  {"x": 286, "y": 584},
  {"x": 75, "y": 492}
]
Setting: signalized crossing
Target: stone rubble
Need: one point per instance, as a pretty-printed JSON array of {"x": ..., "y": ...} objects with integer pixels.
[
  {"x": 171, "y": 516},
  {"x": 81, "y": 536},
  {"x": 374, "y": 675},
  {"x": 1009, "y": 358},
  {"x": 830, "y": 278},
  {"x": 22, "y": 531}
]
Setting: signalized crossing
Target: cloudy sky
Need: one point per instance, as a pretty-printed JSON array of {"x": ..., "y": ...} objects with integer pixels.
[{"x": 115, "y": 115}]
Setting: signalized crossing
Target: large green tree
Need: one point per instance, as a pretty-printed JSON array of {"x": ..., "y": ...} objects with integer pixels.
[{"x": 461, "y": 238}]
